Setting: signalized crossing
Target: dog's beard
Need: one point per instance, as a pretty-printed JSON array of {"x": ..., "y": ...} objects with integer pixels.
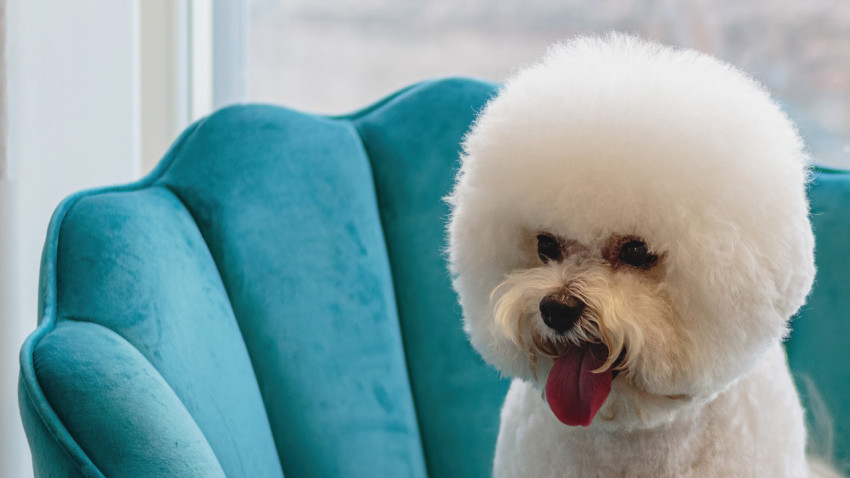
[
  {"x": 517, "y": 314},
  {"x": 616, "y": 313},
  {"x": 628, "y": 315}
]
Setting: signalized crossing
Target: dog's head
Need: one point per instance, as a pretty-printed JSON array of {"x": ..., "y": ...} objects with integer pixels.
[{"x": 630, "y": 219}]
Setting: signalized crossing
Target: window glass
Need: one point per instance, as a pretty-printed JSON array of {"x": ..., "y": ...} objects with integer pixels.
[{"x": 336, "y": 56}]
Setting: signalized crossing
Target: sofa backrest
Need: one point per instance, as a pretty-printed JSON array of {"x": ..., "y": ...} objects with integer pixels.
[
  {"x": 280, "y": 280},
  {"x": 818, "y": 345}
]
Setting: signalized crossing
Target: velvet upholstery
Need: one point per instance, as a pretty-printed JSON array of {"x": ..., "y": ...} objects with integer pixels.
[
  {"x": 273, "y": 300},
  {"x": 820, "y": 334}
]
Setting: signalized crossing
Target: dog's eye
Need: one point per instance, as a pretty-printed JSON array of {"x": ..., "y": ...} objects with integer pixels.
[
  {"x": 637, "y": 254},
  {"x": 548, "y": 248}
]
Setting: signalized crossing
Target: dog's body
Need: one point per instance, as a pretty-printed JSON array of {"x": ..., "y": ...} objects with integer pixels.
[
  {"x": 732, "y": 435},
  {"x": 629, "y": 238}
]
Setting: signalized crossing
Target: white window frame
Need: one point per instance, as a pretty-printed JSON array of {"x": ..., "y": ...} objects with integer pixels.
[{"x": 193, "y": 58}]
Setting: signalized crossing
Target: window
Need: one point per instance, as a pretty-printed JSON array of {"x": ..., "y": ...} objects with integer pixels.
[{"x": 336, "y": 56}]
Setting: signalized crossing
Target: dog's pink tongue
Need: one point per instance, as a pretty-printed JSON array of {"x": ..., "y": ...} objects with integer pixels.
[{"x": 575, "y": 393}]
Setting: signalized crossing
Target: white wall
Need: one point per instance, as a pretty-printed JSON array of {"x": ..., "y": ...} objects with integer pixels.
[{"x": 73, "y": 104}]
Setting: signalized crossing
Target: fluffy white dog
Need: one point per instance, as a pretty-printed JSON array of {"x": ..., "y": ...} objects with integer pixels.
[{"x": 629, "y": 238}]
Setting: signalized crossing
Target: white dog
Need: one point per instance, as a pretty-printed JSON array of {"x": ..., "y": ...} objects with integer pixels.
[{"x": 629, "y": 238}]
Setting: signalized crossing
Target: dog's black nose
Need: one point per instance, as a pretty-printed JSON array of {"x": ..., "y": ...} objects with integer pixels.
[{"x": 560, "y": 314}]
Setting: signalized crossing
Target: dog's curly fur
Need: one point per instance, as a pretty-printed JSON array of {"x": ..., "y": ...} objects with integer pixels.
[{"x": 612, "y": 139}]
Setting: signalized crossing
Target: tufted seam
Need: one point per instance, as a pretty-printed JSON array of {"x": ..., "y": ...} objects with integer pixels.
[
  {"x": 226, "y": 291},
  {"x": 351, "y": 121}
]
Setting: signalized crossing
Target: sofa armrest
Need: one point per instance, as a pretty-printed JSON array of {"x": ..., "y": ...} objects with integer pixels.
[{"x": 115, "y": 406}]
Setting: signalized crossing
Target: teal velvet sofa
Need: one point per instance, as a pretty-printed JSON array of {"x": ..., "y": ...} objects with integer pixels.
[{"x": 273, "y": 300}]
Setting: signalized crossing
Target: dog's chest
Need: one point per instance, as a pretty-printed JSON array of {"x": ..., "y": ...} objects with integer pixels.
[{"x": 532, "y": 443}]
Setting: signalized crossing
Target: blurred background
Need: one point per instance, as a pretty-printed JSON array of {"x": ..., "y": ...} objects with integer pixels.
[{"x": 92, "y": 92}]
